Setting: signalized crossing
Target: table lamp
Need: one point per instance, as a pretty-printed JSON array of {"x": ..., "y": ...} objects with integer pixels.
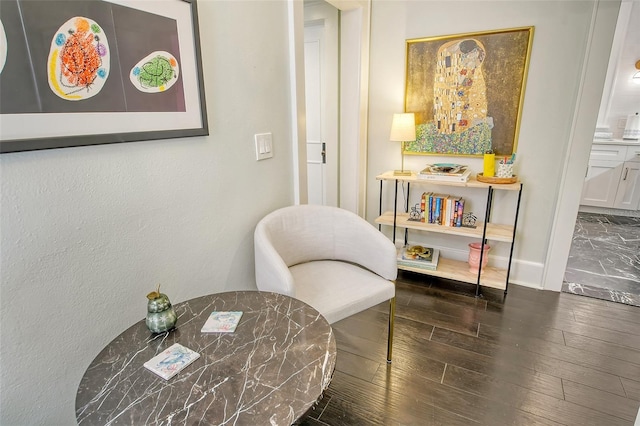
[{"x": 403, "y": 129}]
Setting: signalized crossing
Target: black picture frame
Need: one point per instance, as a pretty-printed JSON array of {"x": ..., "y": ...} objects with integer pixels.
[{"x": 32, "y": 117}]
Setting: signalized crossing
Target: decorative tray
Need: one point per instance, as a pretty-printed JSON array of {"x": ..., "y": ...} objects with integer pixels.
[{"x": 494, "y": 179}]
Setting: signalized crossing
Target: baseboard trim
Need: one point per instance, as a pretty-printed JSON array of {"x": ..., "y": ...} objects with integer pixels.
[{"x": 609, "y": 211}]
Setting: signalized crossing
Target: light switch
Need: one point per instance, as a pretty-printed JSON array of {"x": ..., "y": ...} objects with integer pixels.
[{"x": 264, "y": 146}]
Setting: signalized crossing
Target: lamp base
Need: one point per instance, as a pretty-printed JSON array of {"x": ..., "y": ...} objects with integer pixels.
[{"x": 402, "y": 173}]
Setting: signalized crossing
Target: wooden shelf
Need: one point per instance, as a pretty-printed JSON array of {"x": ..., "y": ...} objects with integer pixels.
[
  {"x": 459, "y": 271},
  {"x": 472, "y": 183},
  {"x": 447, "y": 268},
  {"x": 495, "y": 232}
]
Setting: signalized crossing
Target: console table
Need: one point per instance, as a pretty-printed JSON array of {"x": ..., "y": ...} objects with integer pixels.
[
  {"x": 484, "y": 230},
  {"x": 271, "y": 370}
]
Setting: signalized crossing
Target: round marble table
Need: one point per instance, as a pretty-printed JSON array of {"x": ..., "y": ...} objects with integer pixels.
[{"x": 271, "y": 370}]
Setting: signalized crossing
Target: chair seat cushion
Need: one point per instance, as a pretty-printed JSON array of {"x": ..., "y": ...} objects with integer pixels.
[{"x": 339, "y": 289}]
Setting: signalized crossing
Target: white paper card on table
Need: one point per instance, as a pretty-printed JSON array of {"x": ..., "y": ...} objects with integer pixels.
[
  {"x": 172, "y": 360},
  {"x": 222, "y": 322}
]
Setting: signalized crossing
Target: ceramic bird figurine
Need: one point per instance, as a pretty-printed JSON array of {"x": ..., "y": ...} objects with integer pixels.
[{"x": 160, "y": 314}]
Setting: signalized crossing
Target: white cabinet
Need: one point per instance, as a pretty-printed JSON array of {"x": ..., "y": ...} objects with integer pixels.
[
  {"x": 613, "y": 177},
  {"x": 628, "y": 194},
  {"x": 601, "y": 183}
]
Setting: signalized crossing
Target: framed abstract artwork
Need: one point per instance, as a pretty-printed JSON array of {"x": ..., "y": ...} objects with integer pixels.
[
  {"x": 467, "y": 91},
  {"x": 75, "y": 73}
]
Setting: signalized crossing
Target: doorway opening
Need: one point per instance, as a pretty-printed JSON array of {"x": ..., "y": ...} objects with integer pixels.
[
  {"x": 321, "y": 65},
  {"x": 604, "y": 259}
]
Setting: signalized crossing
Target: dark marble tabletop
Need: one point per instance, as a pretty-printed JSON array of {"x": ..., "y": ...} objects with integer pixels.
[{"x": 271, "y": 370}]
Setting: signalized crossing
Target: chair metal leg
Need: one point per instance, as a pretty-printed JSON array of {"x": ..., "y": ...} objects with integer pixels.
[{"x": 392, "y": 314}]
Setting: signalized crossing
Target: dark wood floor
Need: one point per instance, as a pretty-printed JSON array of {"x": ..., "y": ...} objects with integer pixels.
[{"x": 534, "y": 358}]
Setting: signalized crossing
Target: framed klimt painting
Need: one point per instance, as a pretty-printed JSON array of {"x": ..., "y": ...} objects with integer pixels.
[
  {"x": 94, "y": 72},
  {"x": 467, "y": 91}
]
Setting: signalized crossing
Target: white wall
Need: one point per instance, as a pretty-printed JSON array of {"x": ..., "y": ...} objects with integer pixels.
[
  {"x": 559, "y": 48},
  {"x": 625, "y": 95},
  {"x": 87, "y": 232}
]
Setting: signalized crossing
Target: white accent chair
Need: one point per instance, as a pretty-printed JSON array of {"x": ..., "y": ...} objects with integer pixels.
[{"x": 329, "y": 258}]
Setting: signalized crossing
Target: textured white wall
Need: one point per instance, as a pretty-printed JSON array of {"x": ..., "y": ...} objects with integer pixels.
[
  {"x": 559, "y": 47},
  {"x": 87, "y": 232},
  {"x": 625, "y": 96}
]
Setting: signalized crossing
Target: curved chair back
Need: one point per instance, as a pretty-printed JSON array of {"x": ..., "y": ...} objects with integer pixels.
[{"x": 304, "y": 233}]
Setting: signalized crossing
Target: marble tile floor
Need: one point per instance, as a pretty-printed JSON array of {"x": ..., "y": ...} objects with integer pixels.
[{"x": 604, "y": 261}]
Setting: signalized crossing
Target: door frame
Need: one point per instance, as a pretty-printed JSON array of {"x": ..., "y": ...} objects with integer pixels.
[
  {"x": 355, "y": 19},
  {"x": 592, "y": 81}
]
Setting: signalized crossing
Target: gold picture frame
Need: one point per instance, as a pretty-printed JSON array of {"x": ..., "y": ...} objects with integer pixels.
[{"x": 467, "y": 91}]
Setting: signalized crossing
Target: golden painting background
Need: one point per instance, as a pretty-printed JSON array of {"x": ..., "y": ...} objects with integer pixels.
[{"x": 504, "y": 68}]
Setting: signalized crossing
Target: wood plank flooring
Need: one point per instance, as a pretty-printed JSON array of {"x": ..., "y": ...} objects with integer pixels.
[{"x": 532, "y": 358}]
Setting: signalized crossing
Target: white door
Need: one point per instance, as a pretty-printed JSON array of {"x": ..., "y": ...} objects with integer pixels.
[
  {"x": 321, "y": 97},
  {"x": 316, "y": 148}
]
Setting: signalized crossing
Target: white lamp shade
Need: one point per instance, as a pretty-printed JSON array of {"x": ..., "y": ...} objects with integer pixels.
[{"x": 403, "y": 127}]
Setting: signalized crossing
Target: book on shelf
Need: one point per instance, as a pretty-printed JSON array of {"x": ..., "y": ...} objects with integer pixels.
[
  {"x": 437, "y": 177},
  {"x": 452, "y": 218},
  {"x": 460, "y": 209},
  {"x": 437, "y": 206},
  {"x": 445, "y": 169},
  {"x": 418, "y": 257},
  {"x": 441, "y": 209},
  {"x": 171, "y": 361},
  {"x": 222, "y": 322},
  {"x": 440, "y": 206},
  {"x": 424, "y": 202},
  {"x": 446, "y": 216}
]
